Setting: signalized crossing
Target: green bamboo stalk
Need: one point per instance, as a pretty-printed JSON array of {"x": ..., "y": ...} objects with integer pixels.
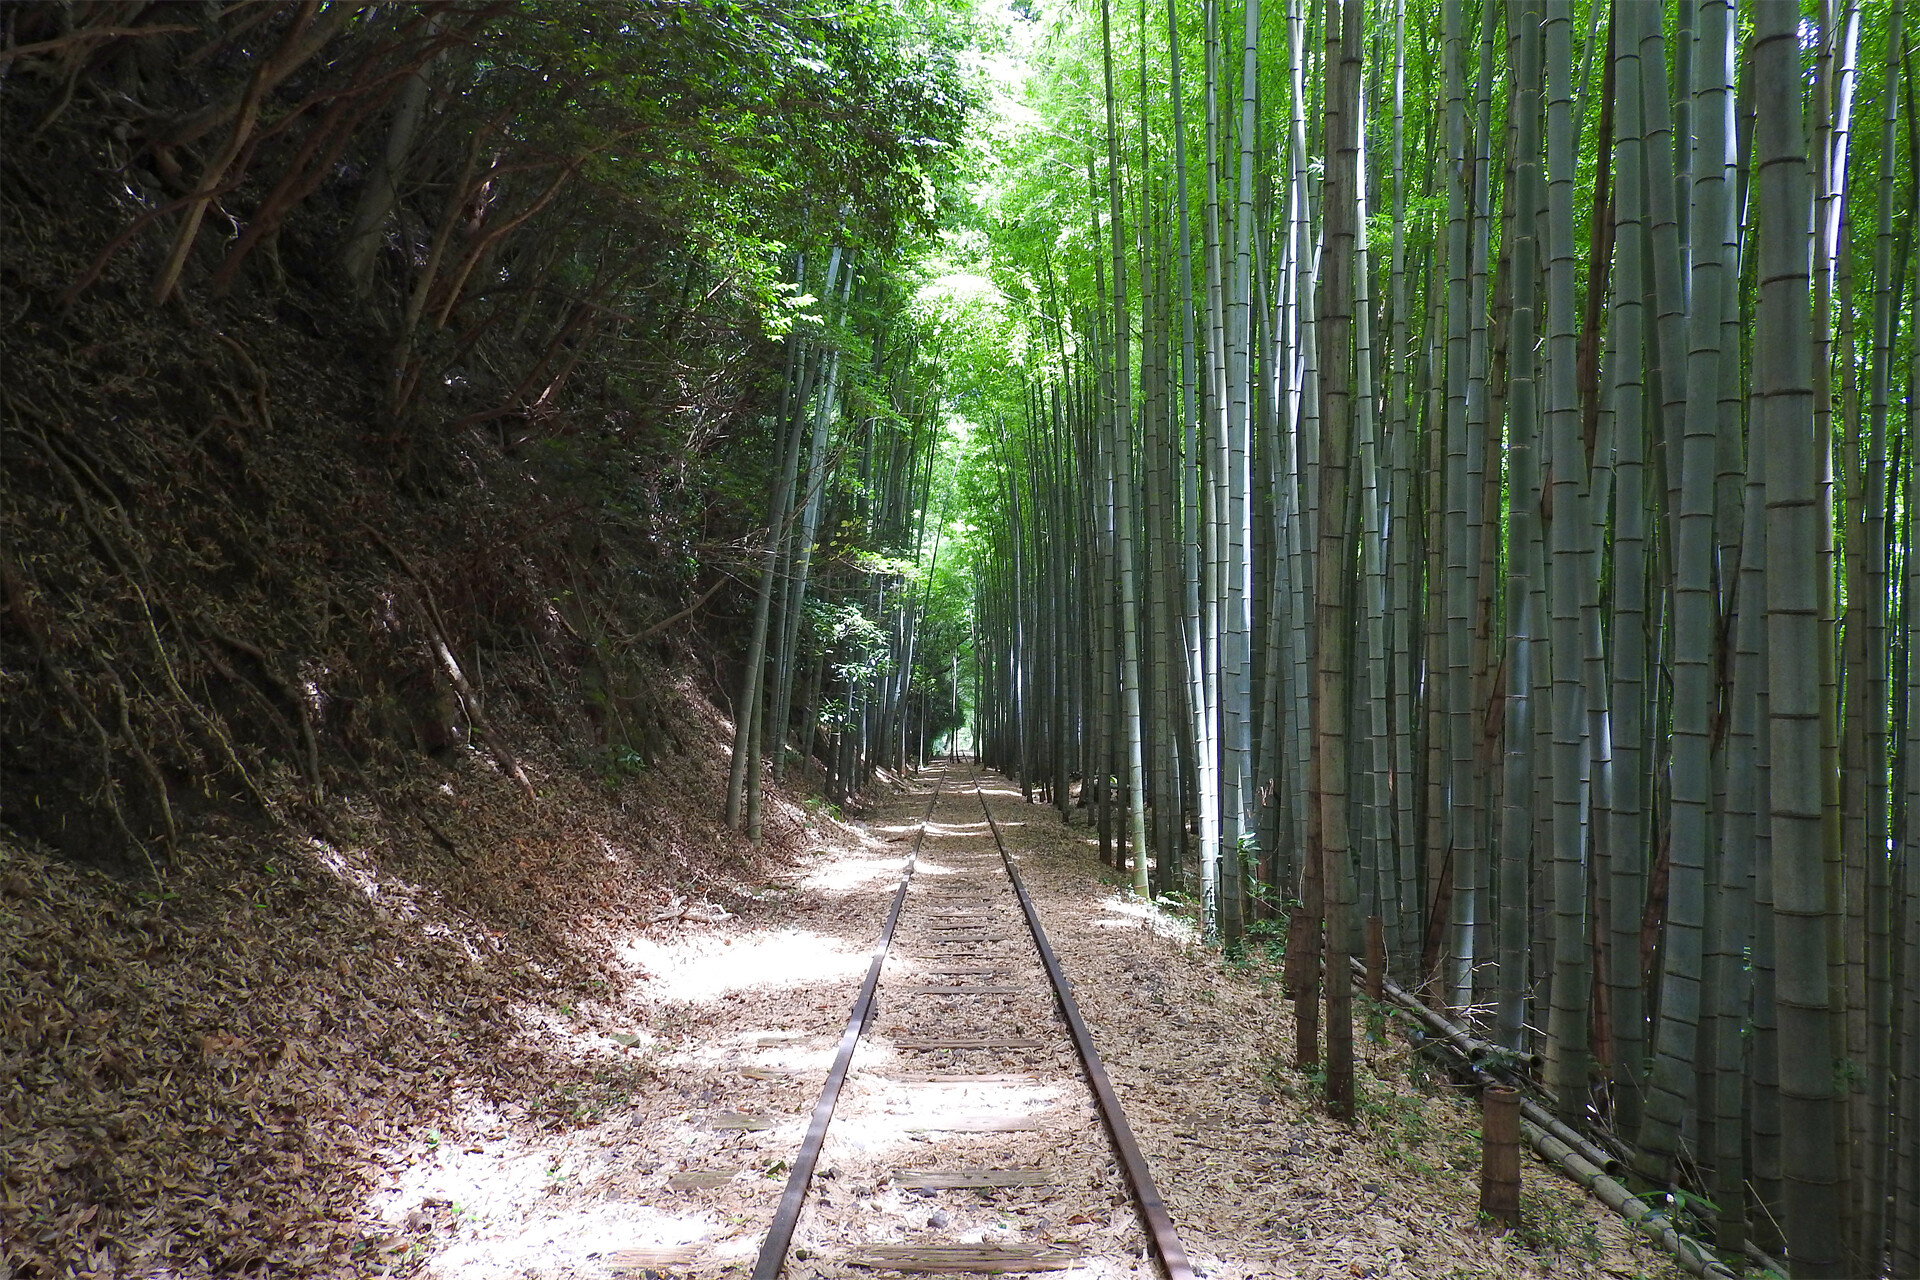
[
  {"x": 1783, "y": 372},
  {"x": 1567, "y": 1023},
  {"x": 1121, "y": 428},
  {"x": 1517, "y": 796},
  {"x": 1333, "y": 590},
  {"x": 1627, "y": 814}
]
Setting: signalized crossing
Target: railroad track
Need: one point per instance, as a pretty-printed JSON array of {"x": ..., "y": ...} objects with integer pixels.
[{"x": 983, "y": 1135}]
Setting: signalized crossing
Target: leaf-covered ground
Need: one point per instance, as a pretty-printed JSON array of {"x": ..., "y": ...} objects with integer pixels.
[
  {"x": 213, "y": 1072},
  {"x": 583, "y": 1041},
  {"x": 1257, "y": 1177}
]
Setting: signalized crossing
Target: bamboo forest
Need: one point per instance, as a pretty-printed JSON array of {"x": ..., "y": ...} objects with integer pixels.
[
  {"x": 1461, "y": 478},
  {"x": 1419, "y": 494}
]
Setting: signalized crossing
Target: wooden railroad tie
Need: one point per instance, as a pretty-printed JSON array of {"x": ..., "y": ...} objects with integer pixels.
[
  {"x": 945, "y": 977},
  {"x": 990, "y": 1259},
  {"x": 963, "y": 991},
  {"x": 951, "y": 1179},
  {"x": 661, "y": 1256},
  {"x": 701, "y": 1179},
  {"x": 963, "y": 1077},
  {"x": 967, "y": 1042},
  {"x": 977, "y": 1124},
  {"x": 740, "y": 1120}
]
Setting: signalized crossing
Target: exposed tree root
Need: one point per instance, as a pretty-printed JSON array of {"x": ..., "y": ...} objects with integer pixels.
[
  {"x": 469, "y": 698},
  {"x": 20, "y": 609},
  {"x": 291, "y": 696}
]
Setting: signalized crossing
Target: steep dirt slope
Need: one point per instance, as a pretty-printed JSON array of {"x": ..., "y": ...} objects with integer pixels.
[
  {"x": 207, "y": 1072},
  {"x": 330, "y": 746}
]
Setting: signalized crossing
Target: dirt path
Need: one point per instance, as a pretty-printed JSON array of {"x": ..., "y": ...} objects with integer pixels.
[{"x": 677, "y": 1167}]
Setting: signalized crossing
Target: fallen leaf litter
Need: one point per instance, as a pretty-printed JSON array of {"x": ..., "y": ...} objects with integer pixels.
[{"x": 256, "y": 1069}]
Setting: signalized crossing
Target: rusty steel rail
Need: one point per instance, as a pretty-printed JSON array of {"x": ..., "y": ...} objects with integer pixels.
[
  {"x": 1153, "y": 1210},
  {"x": 773, "y": 1253}
]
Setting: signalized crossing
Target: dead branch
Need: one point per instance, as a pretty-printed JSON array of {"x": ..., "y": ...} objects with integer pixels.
[
  {"x": 84, "y": 35},
  {"x": 98, "y": 266},
  {"x": 451, "y": 665},
  {"x": 83, "y": 505},
  {"x": 61, "y": 103},
  {"x": 260, "y": 13},
  {"x": 685, "y": 613},
  {"x": 84, "y": 508},
  {"x": 406, "y": 375},
  {"x": 347, "y": 109},
  {"x": 207, "y": 719},
  {"x": 20, "y": 609},
  {"x": 220, "y": 665},
  {"x": 287, "y": 692},
  {"x": 144, "y": 759},
  {"x": 259, "y": 376},
  {"x": 492, "y": 236},
  {"x": 217, "y": 169},
  {"x": 303, "y": 41}
]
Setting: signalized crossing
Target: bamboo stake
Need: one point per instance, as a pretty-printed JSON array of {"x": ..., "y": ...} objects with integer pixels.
[{"x": 1500, "y": 1154}]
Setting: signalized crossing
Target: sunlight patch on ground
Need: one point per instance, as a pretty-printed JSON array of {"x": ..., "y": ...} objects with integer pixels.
[
  {"x": 495, "y": 1193},
  {"x": 560, "y": 1033},
  {"x": 397, "y": 898},
  {"x": 587, "y": 1234},
  {"x": 1222, "y": 1268},
  {"x": 356, "y": 869},
  {"x": 1132, "y": 913},
  {"x": 704, "y": 972},
  {"x": 797, "y": 1057},
  {"x": 934, "y": 871},
  {"x": 900, "y": 1115},
  {"x": 877, "y": 1059},
  {"x": 943, "y": 1100},
  {"x": 849, "y": 874}
]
